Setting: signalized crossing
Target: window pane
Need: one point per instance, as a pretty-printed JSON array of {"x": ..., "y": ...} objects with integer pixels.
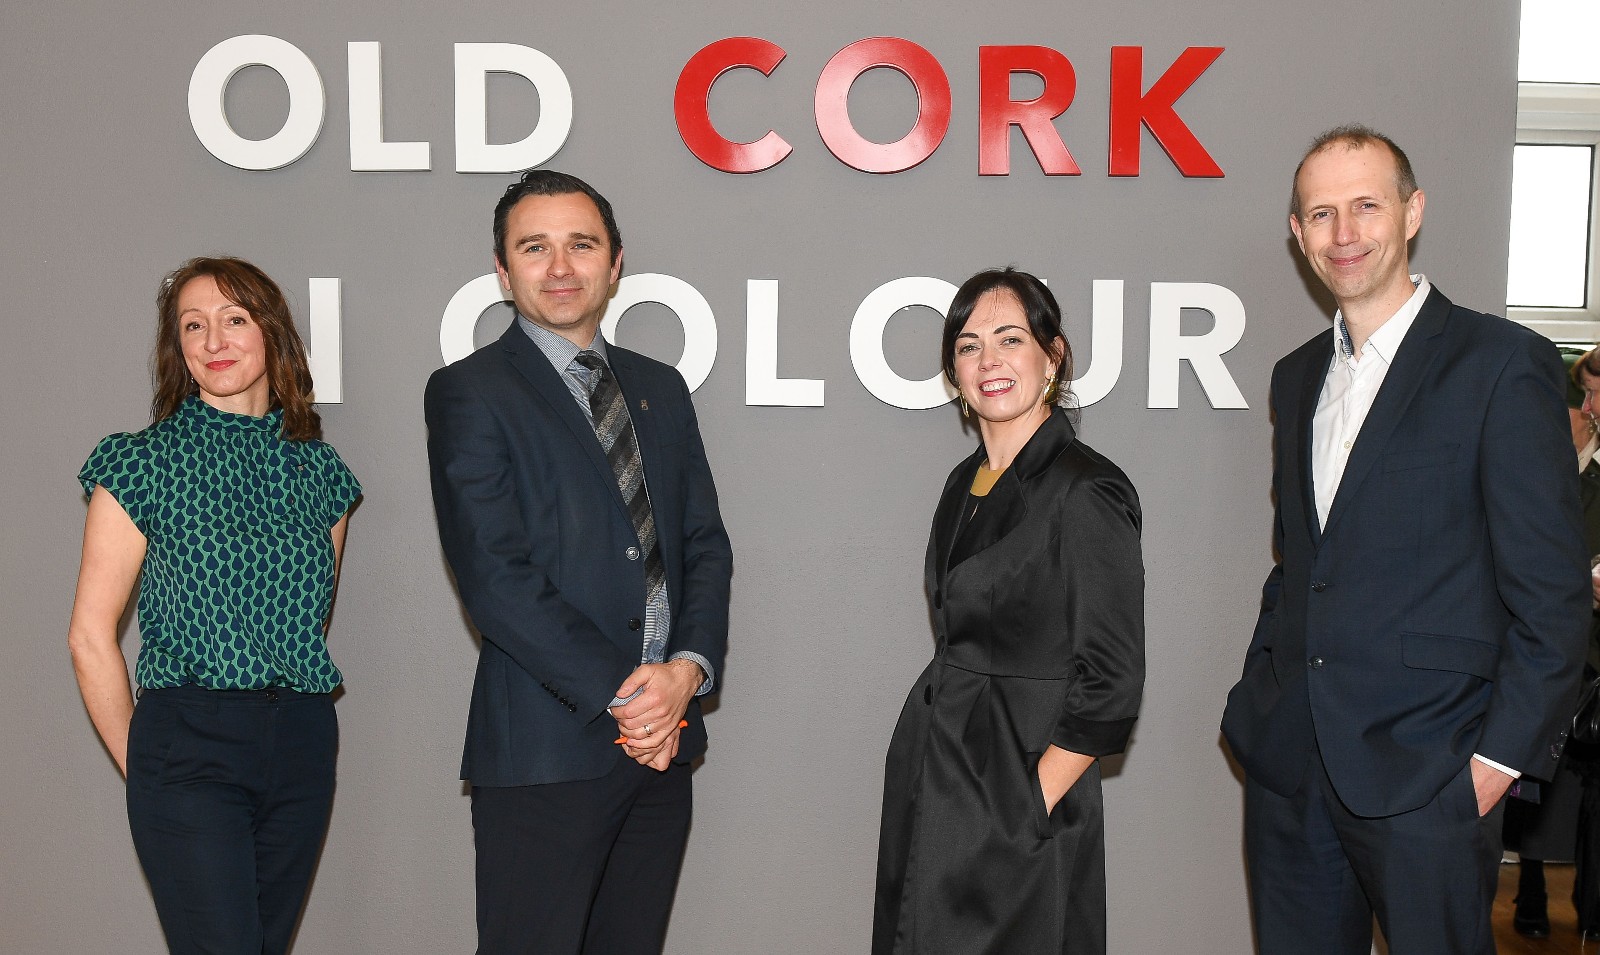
[
  {"x": 1558, "y": 42},
  {"x": 1549, "y": 226}
]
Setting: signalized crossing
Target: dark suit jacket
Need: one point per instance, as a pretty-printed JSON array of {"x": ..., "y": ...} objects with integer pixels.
[
  {"x": 537, "y": 535},
  {"x": 1443, "y": 610}
]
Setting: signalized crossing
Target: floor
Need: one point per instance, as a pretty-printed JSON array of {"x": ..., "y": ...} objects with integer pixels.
[{"x": 1563, "y": 938}]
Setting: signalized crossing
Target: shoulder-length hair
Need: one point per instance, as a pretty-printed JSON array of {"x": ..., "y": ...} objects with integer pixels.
[
  {"x": 288, "y": 374},
  {"x": 1044, "y": 323}
]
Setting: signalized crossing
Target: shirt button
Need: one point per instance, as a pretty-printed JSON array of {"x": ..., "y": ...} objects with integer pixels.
[
  {"x": 634, "y": 623},
  {"x": 1347, "y": 445},
  {"x": 631, "y": 553},
  {"x": 1316, "y": 663}
]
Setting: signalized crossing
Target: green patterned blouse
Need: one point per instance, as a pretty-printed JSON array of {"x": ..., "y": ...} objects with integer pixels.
[{"x": 238, "y": 568}]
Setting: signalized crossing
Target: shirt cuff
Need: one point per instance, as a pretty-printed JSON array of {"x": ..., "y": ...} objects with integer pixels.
[
  {"x": 619, "y": 700},
  {"x": 1513, "y": 773},
  {"x": 705, "y": 666}
]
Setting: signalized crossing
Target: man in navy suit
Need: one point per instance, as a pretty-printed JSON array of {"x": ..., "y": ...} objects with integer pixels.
[
  {"x": 1422, "y": 633},
  {"x": 601, "y": 592}
]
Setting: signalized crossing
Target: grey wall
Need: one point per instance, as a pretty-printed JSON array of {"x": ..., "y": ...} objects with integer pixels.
[{"x": 106, "y": 188}]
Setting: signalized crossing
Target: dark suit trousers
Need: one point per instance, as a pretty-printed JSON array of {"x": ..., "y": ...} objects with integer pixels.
[
  {"x": 229, "y": 793},
  {"x": 1318, "y": 874},
  {"x": 587, "y": 867}
]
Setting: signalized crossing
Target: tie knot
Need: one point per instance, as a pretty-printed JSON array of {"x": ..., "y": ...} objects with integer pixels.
[{"x": 591, "y": 360}]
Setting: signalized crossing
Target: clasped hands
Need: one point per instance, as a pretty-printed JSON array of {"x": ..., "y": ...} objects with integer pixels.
[{"x": 648, "y": 724}]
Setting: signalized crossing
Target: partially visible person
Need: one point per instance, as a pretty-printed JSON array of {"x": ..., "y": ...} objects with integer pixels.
[
  {"x": 1542, "y": 822},
  {"x": 229, "y": 513},
  {"x": 993, "y": 829},
  {"x": 1586, "y": 759}
]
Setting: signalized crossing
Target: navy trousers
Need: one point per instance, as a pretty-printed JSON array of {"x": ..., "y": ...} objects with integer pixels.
[
  {"x": 588, "y": 866},
  {"x": 1319, "y": 873},
  {"x": 229, "y": 793}
]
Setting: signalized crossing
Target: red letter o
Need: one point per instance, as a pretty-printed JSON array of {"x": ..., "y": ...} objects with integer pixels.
[{"x": 833, "y": 104}]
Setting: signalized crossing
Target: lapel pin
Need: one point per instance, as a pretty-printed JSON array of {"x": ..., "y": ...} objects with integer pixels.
[{"x": 644, "y": 405}]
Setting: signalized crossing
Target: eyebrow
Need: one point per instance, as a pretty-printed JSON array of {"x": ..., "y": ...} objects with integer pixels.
[
  {"x": 996, "y": 331},
  {"x": 545, "y": 235},
  {"x": 1331, "y": 203}
]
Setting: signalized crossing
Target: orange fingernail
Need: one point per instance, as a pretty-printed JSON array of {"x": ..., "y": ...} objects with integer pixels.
[{"x": 620, "y": 739}]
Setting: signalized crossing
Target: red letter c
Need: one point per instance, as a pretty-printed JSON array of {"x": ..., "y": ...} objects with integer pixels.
[{"x": 694, "y": 119}]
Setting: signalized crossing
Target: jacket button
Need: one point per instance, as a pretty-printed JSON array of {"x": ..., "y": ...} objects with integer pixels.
[
  {"x": 572, "y": 708},
  {"x": 927, "y": 694},
  {"x": 634, "y": 623},
  {"x": 632, "y": 553},
  {"x": 1318, "y": 586},
  {"x": 1316, "y": 663}
]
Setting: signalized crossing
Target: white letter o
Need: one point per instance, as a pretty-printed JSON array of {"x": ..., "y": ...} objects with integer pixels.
[
  {"x": 209, "y": 82},
  {"x": 692, "y": 309},
  {"x": 866, "y": 342}
]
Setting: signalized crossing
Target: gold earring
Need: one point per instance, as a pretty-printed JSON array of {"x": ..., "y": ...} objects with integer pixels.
[{"x": 965, "y": 411}]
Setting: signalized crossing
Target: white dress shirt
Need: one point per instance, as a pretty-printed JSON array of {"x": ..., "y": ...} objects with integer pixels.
[{"x": 1348, "y": 392}]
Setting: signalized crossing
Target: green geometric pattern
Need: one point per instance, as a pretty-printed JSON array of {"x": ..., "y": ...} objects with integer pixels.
[{"x": 238, "y": 567}]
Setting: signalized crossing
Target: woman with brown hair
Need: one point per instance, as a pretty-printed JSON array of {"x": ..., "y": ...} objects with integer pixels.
[{"x": 229, "y": 513}]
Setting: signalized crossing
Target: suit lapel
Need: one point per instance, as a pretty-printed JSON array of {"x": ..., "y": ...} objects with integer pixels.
[
  {"x": 1003, "y": 509},
  {"x": 531, "y": 363},
  {"x": 947, "y": 519},
  {"x": 1311, "y": 381},
  {"x": 1412, "y": 360},
  {"x": 998, "y": 512}
]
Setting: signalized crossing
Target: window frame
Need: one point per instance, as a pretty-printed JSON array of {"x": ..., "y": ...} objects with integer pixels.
[{"x": 1565, "y": 114}]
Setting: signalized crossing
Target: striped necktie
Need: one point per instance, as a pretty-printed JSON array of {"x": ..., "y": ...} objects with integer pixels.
[{"x": 614, "y": 428}]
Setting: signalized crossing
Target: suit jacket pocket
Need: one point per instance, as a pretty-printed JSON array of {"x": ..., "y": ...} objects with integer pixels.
[
  {"x": 1437, "y": 651},
  {"x": 1437, "y": 456}
]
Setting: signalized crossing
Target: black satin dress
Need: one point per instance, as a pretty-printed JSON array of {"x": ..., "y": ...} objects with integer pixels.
[{"x": 1038, "y": 607}]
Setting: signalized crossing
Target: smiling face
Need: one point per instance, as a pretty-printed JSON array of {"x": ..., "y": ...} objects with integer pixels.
[
  {"x": 223, "y": 349},
  {"x": 999, "y": 367},
  {"x": 557, "y": 264},
  {"x": 1353, "y": 227}
]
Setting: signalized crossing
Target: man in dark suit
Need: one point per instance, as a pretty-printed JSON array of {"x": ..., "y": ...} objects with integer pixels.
[
  {"x": 578, "y": 514},
  {"x": 1421, "y": 636}
]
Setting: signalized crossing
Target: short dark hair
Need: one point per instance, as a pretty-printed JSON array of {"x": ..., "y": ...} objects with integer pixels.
[
  {"x": 1038, "y": 304},
  {"x": 548, "y": 182},
  {"x": 245, "y": 285},
  {"x": 1354, "y": 136}
]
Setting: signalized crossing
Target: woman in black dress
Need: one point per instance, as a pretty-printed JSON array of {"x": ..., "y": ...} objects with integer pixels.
[{"x": 993, "y": 836}]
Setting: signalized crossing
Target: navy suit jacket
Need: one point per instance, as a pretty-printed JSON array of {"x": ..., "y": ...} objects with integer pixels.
[
  {"x": 1443, "y": 610},
  {"x": 539, "y": 539}
]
